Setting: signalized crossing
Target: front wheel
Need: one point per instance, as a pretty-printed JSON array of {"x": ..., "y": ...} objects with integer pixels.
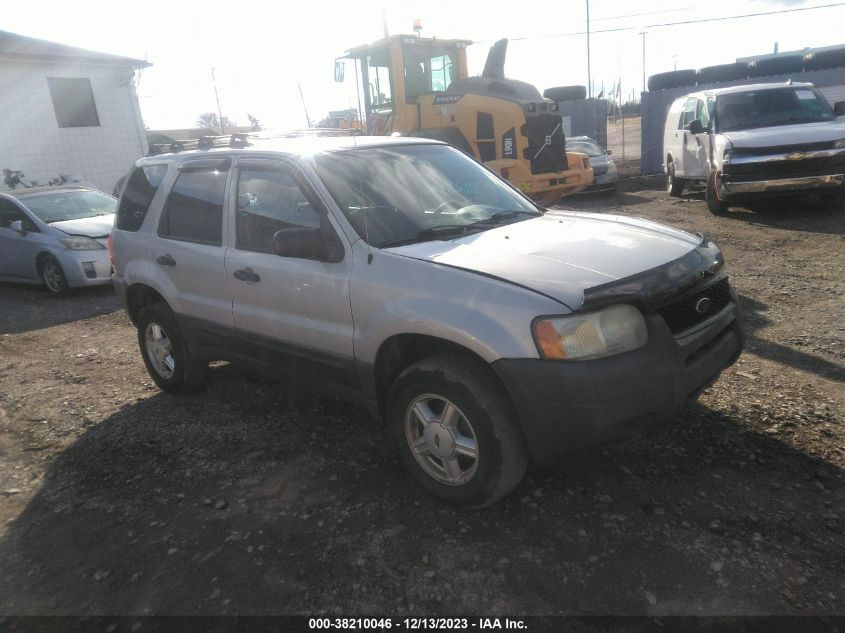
[
  {"x": 674, "y": 185},
  {"x": 714, "y": 205},
  {"x": 54, "y": 277},
  {"x": 165, "y": 353},
  {"x": 455, "y": 430}
]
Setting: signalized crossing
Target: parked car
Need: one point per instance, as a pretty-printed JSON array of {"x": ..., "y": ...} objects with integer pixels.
[
  {"x": 605, "y": 176},
  {"x": 57, "y": 236},
  {"x": 755, "y": 141},
  {"x": 401, "y": 274}
]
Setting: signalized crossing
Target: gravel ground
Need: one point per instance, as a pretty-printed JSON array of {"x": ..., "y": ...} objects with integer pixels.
[{"x": 257, "y": 497}]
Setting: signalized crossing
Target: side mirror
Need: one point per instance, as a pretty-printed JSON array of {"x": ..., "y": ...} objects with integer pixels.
[
  {"x": 695, "y": 127},
  {"x": 17, "y": 227},
  {"x": 307, "y": 243},
  {"x": 608, "y": 152},
  {"x": 839, "y": 108},
  {"x": 339, "y": 70}
]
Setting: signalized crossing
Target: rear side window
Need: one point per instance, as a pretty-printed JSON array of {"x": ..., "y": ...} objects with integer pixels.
[
  {"x": 139, "y": 193},
  {"x": 194, "y": 208}
]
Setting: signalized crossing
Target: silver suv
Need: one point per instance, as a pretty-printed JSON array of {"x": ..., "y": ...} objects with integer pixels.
[{"x": 403, "y": 275}]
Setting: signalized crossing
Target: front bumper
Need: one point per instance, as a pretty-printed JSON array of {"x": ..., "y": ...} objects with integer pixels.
[
  {"x": 729, "y": 187},
  {"x": 748, "y": 174},
  {"x": 85, "y": 268},
  {"x": 567, "y": 406}
]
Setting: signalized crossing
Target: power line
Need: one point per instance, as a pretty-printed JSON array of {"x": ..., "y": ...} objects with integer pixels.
[
  {"x": 636, "y": 15},
  {"x": 695, "y": 21}
]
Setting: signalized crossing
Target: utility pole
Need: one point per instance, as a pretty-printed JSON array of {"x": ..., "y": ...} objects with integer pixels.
[
  {"x": 219, "y": 111},
  {"x": 589, "y": 74},
  {"x": 643, "y": 33},
  {"x": 675, "y": 59}
]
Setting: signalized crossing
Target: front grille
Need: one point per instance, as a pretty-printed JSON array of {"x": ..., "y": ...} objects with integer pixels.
[
  {"x": 768, "y": 170},
  {"x": 782, "y": 149},
  {"x": 545, "y": 158},
  {"x": 682, "y": 315}
]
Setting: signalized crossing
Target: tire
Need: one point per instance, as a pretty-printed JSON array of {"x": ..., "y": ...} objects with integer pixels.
[
  {"x": 825, "y": 59},
  {"x": 776, "y": 66},
  {"x": 53, "y": 276},
  {"x": 672, "y": 79},
  {"x": 565, "y": 93},
  {"x": 165, "y": 353},
  {"x": 674, "y": 186},
  {"x": 465, "y": 393},
  {"x": 723, "y": 72},
  {"x": 714, "y": 205}
]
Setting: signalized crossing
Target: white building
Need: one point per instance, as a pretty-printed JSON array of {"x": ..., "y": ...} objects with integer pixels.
[{"x": 69, "y": 111}]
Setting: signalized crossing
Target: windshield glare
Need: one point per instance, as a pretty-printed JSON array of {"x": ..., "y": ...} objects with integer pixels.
[
  {"x": 70, "y": 205},
  {"x": 770, "y": 107},
  {"x": 394, "y": 193}
]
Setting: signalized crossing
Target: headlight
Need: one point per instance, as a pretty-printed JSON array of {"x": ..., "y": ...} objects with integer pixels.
[
  {"x": 581, "y": 336},
  {"x": 726, "y": 156},
  {"x": 611, "y": 167},
  {"x": 81, "y": 243},
  {"x": 839, "y": 144}
]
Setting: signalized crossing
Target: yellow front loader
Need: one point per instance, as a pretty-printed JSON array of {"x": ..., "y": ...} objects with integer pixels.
[{"x": 418, "y": 86}]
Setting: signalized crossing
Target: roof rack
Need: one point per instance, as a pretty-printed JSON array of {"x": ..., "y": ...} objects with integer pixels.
[
  {"x": 203, "y": 142},
  {"x": 312, "y": 131}
]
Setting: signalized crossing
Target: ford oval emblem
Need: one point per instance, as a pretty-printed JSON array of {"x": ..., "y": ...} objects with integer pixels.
[{"x": 703, "y": 305}]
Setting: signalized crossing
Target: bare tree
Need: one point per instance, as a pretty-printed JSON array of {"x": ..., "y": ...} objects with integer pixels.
[
  {"x": 254, "y": 123},
  {"x": 211, "y": 121}
]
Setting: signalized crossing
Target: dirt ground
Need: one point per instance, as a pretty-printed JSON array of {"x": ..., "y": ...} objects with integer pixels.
[{"x": 257, "y": 497}]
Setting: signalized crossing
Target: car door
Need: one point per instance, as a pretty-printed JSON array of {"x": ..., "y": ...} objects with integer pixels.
[
  {"x": 17, "y": 251},
  {"x": 701, "y": 147},
  {"x": 690, "y": 145},
  {"x": 292, "y": 312},
  {"x": 673, "y": 133},
  {"x": 189, "y": 254}
]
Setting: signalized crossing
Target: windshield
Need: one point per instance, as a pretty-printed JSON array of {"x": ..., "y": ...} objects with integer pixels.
[
  {"x": 584, "y": 146},
  {"x": 770, "y": 107},
  {"x": 69, "y": 205},
  {"x": 410, "y": 193}
]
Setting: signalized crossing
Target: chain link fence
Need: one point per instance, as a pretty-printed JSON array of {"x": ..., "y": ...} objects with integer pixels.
[{"x": 624, "y": 134}]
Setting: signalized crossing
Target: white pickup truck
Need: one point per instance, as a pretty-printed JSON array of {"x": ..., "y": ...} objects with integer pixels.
[{"x": 755, "y": 141}]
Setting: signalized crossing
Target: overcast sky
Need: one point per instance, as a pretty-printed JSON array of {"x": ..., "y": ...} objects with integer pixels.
[{"x": 261, "y": 49}]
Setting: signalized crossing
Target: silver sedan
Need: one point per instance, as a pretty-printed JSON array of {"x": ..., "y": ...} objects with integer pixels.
[
  {"x": 57, "y": 236},
  {"x": 605, "y": 176}
]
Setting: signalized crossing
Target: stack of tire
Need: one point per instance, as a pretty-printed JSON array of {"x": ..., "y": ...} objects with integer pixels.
[{"x": 783, "y": 65}]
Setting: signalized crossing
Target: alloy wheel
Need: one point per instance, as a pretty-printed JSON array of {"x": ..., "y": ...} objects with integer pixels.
[{"x": 441, "y": 439}]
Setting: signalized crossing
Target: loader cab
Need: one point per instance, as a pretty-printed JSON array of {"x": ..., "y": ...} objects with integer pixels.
[{"x": 396, "y": 71}]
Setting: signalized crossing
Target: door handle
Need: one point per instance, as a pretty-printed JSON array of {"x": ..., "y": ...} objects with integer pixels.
[
  {"x": 166, "y": 260},
  {"x": 246, "y": 274}
]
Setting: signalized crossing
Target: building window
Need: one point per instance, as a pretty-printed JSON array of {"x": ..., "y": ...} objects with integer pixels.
[{"x": 73, "y": 101}]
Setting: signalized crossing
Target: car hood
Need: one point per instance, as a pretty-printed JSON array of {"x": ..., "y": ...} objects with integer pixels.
[
  {"x": 780, "y": 135},
  {"x": 97, "y": 226},
  {"x": 562, "y": 254}
]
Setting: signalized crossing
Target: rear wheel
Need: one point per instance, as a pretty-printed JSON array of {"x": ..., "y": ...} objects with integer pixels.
[
  {"x": 165, "y": 354},
  {"x": 455, "y": 430},
  {"x": 714, "y": 205},
  {"x": 54, "y": 277},
  {"x": 674, "y": 185}
]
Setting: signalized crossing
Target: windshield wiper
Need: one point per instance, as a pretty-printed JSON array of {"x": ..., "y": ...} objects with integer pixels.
[
  {"x": 431, "y": 233},
  {"x": 498, "y": 218}
]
